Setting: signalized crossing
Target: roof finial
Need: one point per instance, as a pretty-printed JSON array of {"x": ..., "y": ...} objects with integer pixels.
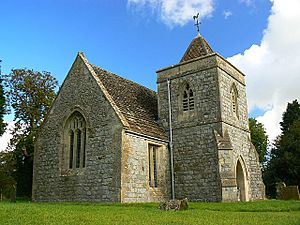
[{"x": 197, "y": 23}]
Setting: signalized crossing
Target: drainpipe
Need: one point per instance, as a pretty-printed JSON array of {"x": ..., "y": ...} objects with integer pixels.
[{"x": 171, "y": 142}]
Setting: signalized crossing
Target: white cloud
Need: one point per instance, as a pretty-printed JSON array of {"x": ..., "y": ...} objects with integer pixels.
[
  {"x": 227, "y": 14},
  {"x": 273, "y": 66},
  {"x": 4, "y": 139},
  {"x": 176, "y": 12}
]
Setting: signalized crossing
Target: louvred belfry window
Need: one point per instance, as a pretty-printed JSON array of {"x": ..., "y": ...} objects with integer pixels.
[
  {"x": 188, "y": 102},
  {"x": 234, "y": 104}
]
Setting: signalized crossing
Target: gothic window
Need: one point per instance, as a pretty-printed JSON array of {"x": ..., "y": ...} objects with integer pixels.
[
  {"x": 76, "y": 144},
  {"x": 188, "y": 102},
  {"x": 152, "y": 155},
  {"x": 234, "y": 104}
]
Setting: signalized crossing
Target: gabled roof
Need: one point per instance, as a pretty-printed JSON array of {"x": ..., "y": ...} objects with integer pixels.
[
  {"x": 137, "y": 104},
  {"x": 197, "y": 48}
]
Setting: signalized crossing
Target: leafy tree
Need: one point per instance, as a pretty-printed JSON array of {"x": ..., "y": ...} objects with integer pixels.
[
  {"x": 285, "y": 155},
  {"x": 23, "y": 151},
  {"x": 7, "y": 181},
  {"x": 291, "y": 114},
  {"x": 2, "y": 109},
  {"x": 30, "y": 94},
  {"x": 270, "y": 173},
  {"x": 259, "y": 138}
]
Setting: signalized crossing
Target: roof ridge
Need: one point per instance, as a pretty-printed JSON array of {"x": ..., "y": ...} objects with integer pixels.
[{"x": 104, "y": 90}]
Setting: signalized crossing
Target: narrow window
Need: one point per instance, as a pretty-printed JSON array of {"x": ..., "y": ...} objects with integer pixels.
[
  {"x": 188, "y": 102},
  {"x": 154, "y": 167},
  {"x": 185, "y": 102},
  {"x": 234, "y": 95},
  {"x": 191, "y": 100},
  {"x": 76, "y": 149},
  {"x": 84, "y": 143},
  {"x": 233, "y": 99},
  {"x": 71, "y": 149},
  {"x": 150, "y": 165},
  {"x": 152, "y": 155}
]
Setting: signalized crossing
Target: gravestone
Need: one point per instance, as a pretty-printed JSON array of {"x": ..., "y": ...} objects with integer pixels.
[{"x": 175, "y": 205}]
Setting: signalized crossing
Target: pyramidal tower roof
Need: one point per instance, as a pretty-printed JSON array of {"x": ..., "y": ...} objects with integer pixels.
[{"x": 197, "y": 48}]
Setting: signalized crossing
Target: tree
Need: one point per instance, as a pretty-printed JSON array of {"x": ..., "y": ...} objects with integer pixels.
[
  {"x": 270, "y": 173},
  {"x": 2, "y": 109},
  {"x": 284, "y": 165},
  {"x": 259, "y": 138},
  {"x": 7, "y": 181},
  {"x": 291, "y": 114},
  {"x": 286, "y": 155},
  {"x": 30, "y": 94},
  {"x": 289, "y": 152}
]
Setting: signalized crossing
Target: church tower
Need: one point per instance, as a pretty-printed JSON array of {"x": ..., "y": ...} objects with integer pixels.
[{"x": 214, "y": 159}]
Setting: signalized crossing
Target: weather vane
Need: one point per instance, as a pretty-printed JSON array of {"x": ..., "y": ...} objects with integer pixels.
[{"x": 197, "y": 23}]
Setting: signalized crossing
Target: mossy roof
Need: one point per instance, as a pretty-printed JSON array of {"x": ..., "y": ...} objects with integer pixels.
[{"x": 137, "y": 103}]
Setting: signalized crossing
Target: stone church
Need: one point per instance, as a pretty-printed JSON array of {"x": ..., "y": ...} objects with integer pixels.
[{"x": 108, "y": 139}]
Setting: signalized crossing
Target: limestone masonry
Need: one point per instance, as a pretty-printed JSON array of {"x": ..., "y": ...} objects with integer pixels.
[{"x": 107, "y": 139}]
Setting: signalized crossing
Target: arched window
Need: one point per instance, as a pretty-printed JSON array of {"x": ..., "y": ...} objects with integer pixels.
[
  {"x": 234, "y": 95},
  {"x": 188, "y": 102},
  {"x": 75, "y": 151}
]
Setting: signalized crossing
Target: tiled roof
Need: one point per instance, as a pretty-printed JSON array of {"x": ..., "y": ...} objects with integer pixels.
[
  {"x": 137, "y": 103},
  {"x": 197, "y": 48}
]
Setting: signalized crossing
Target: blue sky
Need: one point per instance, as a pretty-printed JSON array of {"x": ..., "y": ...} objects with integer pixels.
[
  {"x": 134, "y": 38},
  {"x": 129, "y": 40}
]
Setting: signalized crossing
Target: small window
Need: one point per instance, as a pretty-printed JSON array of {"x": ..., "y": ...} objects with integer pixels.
[
  {"x": 75, "y": 149},
  {"x": 234, "y": 104},
  {"x": 71, "y": 148},
  {"x": 152, "y": 155},
  {"x": 188, "y": 102}
]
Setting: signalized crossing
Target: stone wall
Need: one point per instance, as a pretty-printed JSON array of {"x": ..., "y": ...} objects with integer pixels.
[
  {"x": 135, "y": 170},
  {"x": 195, "y": 148},
  {"x": 209, "y": 141},
  {"x": 242, "y": 150},
  {"x": 226, "y": 83},
  {"x": 100, "y": 180},
  {"x": 235, "y": 129},
  {"x": 195, "y": 164}
]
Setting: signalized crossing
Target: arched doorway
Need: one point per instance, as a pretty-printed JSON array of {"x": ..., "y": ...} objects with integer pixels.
[{"x": 241, "y": 182}]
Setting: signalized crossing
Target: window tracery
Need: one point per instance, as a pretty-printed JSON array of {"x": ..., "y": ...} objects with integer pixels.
[
  {"x": 76, "y": 144},
  {"x": 188, "y": 102}
]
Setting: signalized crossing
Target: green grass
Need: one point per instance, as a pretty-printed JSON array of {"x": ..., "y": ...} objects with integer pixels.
[{"x": 261, "y": 212}]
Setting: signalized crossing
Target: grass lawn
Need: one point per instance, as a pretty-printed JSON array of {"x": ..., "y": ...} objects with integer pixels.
[{"x": 269, "y": 212}]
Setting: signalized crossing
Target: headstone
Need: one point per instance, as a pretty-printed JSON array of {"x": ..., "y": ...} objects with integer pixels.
[
  {"x": 279, "y": 188},
  {"x": 290, "y": 193},
  {"x": 176, "y": 205}
]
